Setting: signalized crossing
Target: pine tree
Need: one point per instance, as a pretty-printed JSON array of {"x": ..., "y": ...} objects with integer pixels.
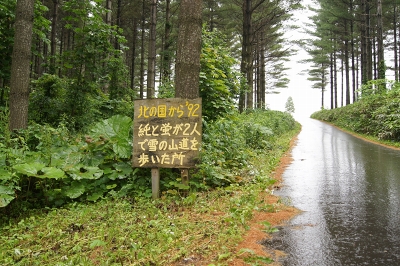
[
  {"x": 20, "y": 66},
  {"x": 289, "y": 105},
  {"x": 189, "y": 48}
]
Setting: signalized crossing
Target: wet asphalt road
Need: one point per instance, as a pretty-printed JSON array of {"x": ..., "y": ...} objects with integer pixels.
[{"x": 349, "y": 192}]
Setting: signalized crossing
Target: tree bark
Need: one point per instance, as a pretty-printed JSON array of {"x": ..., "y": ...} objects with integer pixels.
[
  {"x": 257, "y": 84},
  {"x": 151, "y": 70},
  {"x": 119, "y": 22},
  {"x": 166, "y": 62},
  {"x": 381, "y": 51},
  {"x": 2, "y": 92},
  {"x": 369, "y": 40},
  {"x": 396, "y": 57},
  {"x": 353, "y": 68},
  {"x": 142, "y": 51},
  {"x": 133, "y": 48},
  {"x": 366, "y": 43},
  {"x": 247, "y": 56},
  {"x": 346, "y": 62},
  {"x": 335, "y": 78},
  {"x": 53, "y": 43},
  {"x": 323, "y": 87},
  {"x": 188, "y": 49},
  {"x": 108, "y": 13},
  {"x": 20, "y": 66},
  {"x": 331, "y": 78},
  {"x": 263, "y": 73}
]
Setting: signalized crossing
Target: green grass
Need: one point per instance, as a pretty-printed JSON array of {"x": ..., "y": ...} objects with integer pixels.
[{"x": 136, "y": 232}]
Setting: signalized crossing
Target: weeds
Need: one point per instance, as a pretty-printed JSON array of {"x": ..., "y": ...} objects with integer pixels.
[
  {"x": 121, "y": 225},
  {"x": 131, "y": 231}
]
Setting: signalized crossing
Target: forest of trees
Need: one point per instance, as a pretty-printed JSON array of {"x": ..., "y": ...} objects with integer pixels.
[
  {"x": 353, "y": 43},
  {"x": 90, "y": 59},
  {"x": 71, "y": 71},
  {"x": 87, "y": 60}
]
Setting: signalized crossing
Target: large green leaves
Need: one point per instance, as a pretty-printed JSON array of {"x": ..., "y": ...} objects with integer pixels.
[
  {"x": 116, "y": 130},
  {"x": 6, "y": 196},
  {"x": 85, "y": 172},
  {"x": 75, "y": 190},
  {"x": 39, "y": 170},
  {"x": 62, "y": 167}
]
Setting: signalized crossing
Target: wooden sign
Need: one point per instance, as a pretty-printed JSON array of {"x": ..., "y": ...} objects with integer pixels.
[{"x": 167, "y": 133}]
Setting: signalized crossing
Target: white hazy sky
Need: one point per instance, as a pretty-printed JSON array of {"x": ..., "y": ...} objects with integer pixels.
[{"x": 306, "y": 100}]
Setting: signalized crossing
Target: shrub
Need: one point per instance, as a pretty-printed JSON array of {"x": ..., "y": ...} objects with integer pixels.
[
  {"x": 46, "y": 166},
  {"x": 230, "y": 144},
  {"x": 376, "y": 114}
]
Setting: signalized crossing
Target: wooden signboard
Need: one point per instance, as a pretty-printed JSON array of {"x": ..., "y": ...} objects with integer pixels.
[{"x": 167, "y": 133}]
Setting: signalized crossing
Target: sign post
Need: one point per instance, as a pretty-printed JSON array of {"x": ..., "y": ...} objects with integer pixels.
[{"x": 166, "y": 134}]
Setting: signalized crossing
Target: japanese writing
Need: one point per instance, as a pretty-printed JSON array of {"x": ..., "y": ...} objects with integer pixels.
[
  {"x": 167, "y": 133},
  {"x": 163, "y": 111}
]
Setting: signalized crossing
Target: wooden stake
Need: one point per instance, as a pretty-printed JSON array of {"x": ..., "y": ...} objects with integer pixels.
[
  {"x": 185, "y": 180},
  {"x": 185, "y": 176},
  {"x": 155, "y": 183}
]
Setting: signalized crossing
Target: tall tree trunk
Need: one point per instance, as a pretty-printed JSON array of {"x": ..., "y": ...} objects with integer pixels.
[
  {"x": 36, "y": 69},
  {"x": 263, "y": 73},
  {"x": 381, "y": 51},
  {"x": 133, "y": 49},
  {"x": 353, "y": 67},
  {"x": 395, "y": 46},
  {"x": 257, "y": 89},
  {"x": 366, "y": 42},
  {"x": 369, "y": 40},
  {"x": 342, "y": 83},
  {"x": 151, "y": 71},
  {"x": 331, "y": 78},
  {"x": 374, "y": 59},
  {"x": 21, "y": 56},
  {"x": 187, "y": 72},
  {"x": 346, "y": 62},
  {"x": 166, "y": 62},
  {"x": 248, "y": 53},
  {"x": 363, "y": 33},
  {"x": 53, "y": 42},
  {"x": 118, "y": 20},
  {"x": 335, "y": 76},
  {"x": 108, "y": 19},
  {"x": 142, "y": 52},
  {"x": 323, "y": 86},
  {"x": 357, "y": 74},
  {"x": 2, "y": 89},
  {"x": 62, "y": 44},
  {"x": 108, "y": 13},
  {"x": 246, "y": 66}
]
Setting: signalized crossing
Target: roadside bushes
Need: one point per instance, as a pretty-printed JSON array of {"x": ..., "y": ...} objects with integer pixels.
[
  {"x": 376, "y": 114},
  {"x": 231, "y": 144}
]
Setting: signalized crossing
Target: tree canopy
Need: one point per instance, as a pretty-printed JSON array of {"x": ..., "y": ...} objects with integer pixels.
[
  {"x": 351, "y": 43},
  {"x": 89, "y": 60}
]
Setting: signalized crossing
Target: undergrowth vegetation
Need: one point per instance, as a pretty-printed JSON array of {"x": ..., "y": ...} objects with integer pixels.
[
  {"x": 104, "y": 209},
  {"x": 376, "y": 114}
]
